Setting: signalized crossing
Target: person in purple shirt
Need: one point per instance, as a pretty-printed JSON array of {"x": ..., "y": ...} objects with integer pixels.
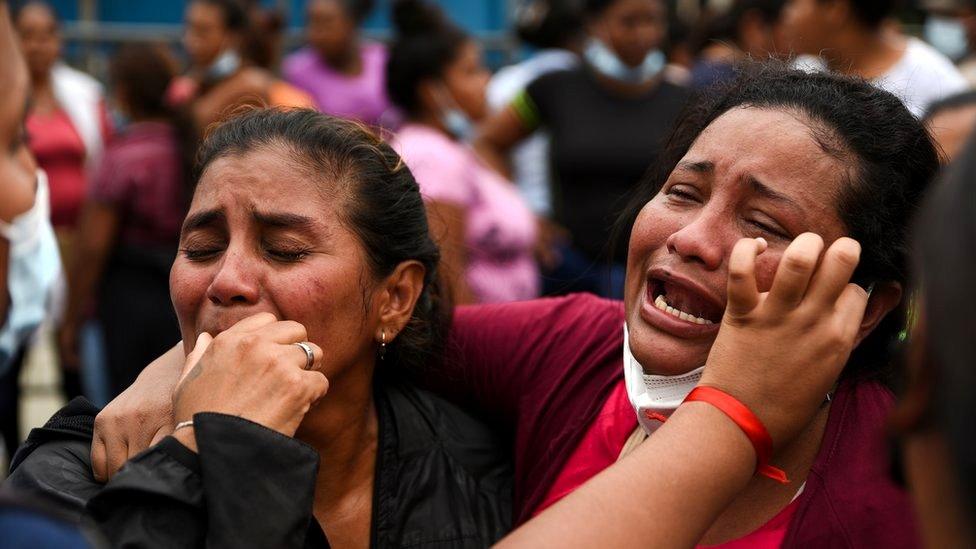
[{"x": 345, "y": 75}]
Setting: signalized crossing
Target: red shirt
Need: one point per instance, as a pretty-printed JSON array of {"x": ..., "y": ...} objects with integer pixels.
[
  {"x": 546, "y": 368},
  {"x": 141, "y": 175},
  {"x": 60, "y": 152}
]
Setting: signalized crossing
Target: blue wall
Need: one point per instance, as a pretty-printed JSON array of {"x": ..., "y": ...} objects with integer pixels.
[{"x": 474, "y": 15}]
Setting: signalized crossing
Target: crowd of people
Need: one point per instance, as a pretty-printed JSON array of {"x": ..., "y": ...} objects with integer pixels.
[{"x": 678, "y": 278}]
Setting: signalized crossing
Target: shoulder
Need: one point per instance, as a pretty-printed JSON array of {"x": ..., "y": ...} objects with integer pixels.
[
  {"x": 75, "y": 78},
  {"x": 553, "y": 79},
  {"x": 424, "y": 149},
  {"x": 298, "y": 61},
  {"x": 572, "y": 312}
]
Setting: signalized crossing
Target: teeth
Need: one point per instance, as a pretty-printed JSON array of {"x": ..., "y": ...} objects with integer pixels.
[{"x": 663, "y": 305}]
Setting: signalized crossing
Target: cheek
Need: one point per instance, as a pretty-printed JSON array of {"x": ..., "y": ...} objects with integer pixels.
[
  {"x": 766, "y": 269},
  {"x": 328, "y": 302},
  {"x": 188, "y": 285},
  {"x": 650, "y": 234}
]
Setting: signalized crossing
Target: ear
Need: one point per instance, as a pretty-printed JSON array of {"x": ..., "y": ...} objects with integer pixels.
[
  {"x": 399, "y": 294},
  {"x": 884, "y": 298}
]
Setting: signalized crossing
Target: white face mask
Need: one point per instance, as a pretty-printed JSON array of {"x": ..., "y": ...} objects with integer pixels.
[
  {"x": 605, "y": 61},
  {"x": 225, "y": 65},
  {"x": 455, "y": 121},
  {"x": 654, "y": 397},
  {"x": 33, "y": 272},
  {"x": 946, "y": 34}
]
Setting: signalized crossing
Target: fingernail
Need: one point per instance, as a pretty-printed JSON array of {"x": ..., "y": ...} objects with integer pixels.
[{"x": 762, "y": 244}]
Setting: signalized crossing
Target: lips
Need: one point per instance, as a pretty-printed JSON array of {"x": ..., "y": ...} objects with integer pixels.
[{"x": 680, "y": 306}]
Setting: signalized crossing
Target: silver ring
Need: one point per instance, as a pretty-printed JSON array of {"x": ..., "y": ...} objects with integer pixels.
[{"x": 309, "y": 355}]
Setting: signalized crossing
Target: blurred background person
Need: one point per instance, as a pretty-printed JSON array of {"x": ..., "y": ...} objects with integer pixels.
[
  {"x": 749, "y": 29},
  {"x": 220, "y": 77},
  {"x": 484, "y": 227},
  {"x": 607, "y": 121},
  {"x": 30, "y": 265},
  {"x": 345, "y": 74},
  {"x": 951, "y": 122},
  {"x": 67, "y": 126},
  {"x": 857, "y": 37},
  {"x": 554, "y": 29},
  {"x": 130, "y": 226},
  {"x": 950, "y": 26}
]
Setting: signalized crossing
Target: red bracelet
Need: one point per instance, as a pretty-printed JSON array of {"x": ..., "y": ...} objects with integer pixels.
[{"x": 748, "y": 422}]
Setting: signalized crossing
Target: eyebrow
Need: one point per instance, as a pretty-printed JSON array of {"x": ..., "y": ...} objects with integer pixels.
[
  {"x": 202, "y": 219},
  {"x": 765, "y": 191},
  {"x": 283, "y": 220},
  {"x": 697, "y": 167}
]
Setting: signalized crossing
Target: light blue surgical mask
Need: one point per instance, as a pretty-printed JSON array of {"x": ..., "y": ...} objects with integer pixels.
[
  {"x": 946, "y": 34},
  {"x": 605, "y": 61},
  {"x": 225, "y": 65},
  {"x": 33, "y": 272},
  {"x": 455, "y": 121}
]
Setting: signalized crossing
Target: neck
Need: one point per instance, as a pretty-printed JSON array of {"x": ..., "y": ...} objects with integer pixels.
[
  {"x": 343, "y": 428},
  {"x": 865, "y": 53},
  {"x": 431, "y": 120}
]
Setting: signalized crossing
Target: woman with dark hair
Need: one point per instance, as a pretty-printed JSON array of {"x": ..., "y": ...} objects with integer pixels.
[
  {"x": 305, "y": 233},
  {"x": 607, "y": 121},
  {"x": 345, "y": 74},
  {"x": 217, "y": 38},
  {"x": 482, "y": 224},
  {"x": 130, "y": 224}
]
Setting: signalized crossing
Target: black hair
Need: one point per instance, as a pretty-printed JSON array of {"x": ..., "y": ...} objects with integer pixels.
[
  {"x": 768, "y": 10},
  {"x": 870, "y": 13},
  {"x": 426, "y": 44},
  {"x": 891, "y": 157},
  {"x": 19, "y": 9},
  {"x": 145, "y": 72},
  {"x": 549, "y": 23},
  {"x": 951, "y": 103},
  {"x": 382, "y": 203},
  {"x": 233, "y": 12},
  {"x": 945, "y": 238}
]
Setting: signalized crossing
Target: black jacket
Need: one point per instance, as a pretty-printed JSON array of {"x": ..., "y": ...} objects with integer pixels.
[{"x": 442, "y": 480}]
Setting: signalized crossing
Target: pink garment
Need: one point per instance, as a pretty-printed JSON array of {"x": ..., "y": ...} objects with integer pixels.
[
  {"x": 59, "y": 150},
  {"x": 361, "y": 97},
  {"x": 500, "y": 228}
]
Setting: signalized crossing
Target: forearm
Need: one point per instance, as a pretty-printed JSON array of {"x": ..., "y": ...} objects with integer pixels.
[{"x": 666, "y": 493}]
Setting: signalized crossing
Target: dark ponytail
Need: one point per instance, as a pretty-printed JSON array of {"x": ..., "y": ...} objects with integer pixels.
[
  {"x": 383, "y": 205},
  {"x": 426, "y": 43}
]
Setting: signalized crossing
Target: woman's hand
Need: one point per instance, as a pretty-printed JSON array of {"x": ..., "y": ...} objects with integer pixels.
[
  {"x": 255, "y": 371},
  {"x": 139, "y": 417},
  {"x": 781, "y": 351}
]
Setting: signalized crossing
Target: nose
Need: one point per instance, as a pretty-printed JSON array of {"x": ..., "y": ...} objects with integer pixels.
[
  {"x": 236, "y": 282},
  {"x": 702, "y": 241}
]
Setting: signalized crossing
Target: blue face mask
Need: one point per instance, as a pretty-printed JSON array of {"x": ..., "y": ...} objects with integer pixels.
[
  {"x": 946, "y": 34},
  {"x": 606, "y": 62},
  {"x": 225, "y": 65},
  {"x": 455, "y": 121},
  {"x": 33, "y": 272}
]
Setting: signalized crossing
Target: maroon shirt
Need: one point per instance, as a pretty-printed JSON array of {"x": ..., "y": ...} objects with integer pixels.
[
  {"x": 545, "y": 368},
  {"x": 140, "y": 174}
]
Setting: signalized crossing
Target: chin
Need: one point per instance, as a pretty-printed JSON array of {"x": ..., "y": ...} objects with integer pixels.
[{"x": 664, "y": 354}]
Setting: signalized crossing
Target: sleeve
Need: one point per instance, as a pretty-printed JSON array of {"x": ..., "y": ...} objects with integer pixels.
[
  {"x": 504, "y": 359},
  {"x": 249, "y": 486},
  {"x": 529, "y": 104}
]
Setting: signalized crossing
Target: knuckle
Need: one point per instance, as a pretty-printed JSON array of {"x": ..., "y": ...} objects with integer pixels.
[{"x": 799, "y": 262}]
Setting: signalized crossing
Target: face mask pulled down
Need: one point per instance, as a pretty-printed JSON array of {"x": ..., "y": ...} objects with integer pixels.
[
  {"x": 603, "y": 60},
  {"x": 653, "y": 397}
]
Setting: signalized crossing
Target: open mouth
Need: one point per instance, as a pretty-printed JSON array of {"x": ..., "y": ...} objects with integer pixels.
[{"x": 683, "y": 302}]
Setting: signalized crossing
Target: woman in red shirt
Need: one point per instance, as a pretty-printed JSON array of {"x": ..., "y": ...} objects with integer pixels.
[{"x": 778, "y": 154}]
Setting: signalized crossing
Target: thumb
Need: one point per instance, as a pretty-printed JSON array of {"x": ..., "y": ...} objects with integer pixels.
[{"x": 201, "y": 346}]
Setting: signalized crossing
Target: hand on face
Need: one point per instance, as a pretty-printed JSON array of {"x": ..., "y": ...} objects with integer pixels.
[
  {"x": 779, "y": 352},
  {"x": 252, "y": 370}
]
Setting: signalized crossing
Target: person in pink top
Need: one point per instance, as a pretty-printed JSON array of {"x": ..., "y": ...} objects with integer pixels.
[
  {"x": 485, "y": 228},
  {"x": 342, "y": 73}
]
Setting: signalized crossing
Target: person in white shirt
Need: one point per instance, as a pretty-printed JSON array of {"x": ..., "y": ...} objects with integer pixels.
[
  {"x": 856, "y": 37},
  {"x": 555, "y": 28}
]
